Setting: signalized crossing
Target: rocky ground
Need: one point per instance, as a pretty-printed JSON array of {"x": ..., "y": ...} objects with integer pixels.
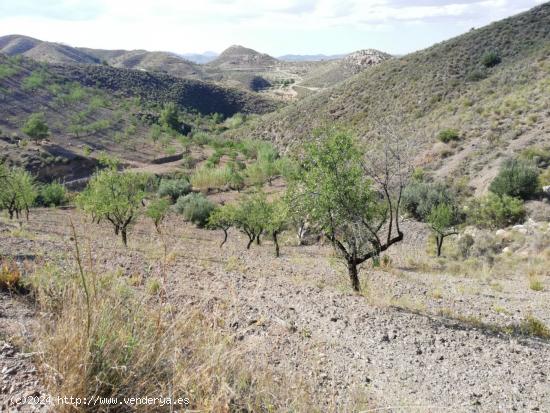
[{"x": 418, "y": 340}]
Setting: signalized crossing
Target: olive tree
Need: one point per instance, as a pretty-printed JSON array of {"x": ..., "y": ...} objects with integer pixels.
[
  {"x": 353, "y": 199},
  {"x": 18, "y": 191},
  {"x": 117, "y": 197}
]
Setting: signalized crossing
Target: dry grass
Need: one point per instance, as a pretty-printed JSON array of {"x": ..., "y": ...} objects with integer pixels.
[
  {"x": 10, "y": 276},
  {"x": 104, "y": 338}
]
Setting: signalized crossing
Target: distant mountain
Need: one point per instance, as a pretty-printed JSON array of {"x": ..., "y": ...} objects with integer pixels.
[
  {"x": 50, "y": 52},
  {"x": 309, "y": 57},
  {"x": 335, "y": 71},
  {"x": 200, "y": 58},
  {"x": 239, "y": 57}
]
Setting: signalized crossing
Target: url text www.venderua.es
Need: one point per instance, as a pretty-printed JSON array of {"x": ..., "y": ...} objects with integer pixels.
[{"x": 102, "y": 401}]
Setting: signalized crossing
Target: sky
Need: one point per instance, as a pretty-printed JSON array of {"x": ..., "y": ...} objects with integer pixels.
[{"x": 276, "y": 27}]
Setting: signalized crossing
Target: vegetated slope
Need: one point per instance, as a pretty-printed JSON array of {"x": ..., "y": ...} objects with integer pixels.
[
  {"x": 338, "y": 70},
  {"x": 165, "y": 62},
  {"x": 91, "y": 109},
  {"x": 494, "y": 106},
  {"x": 203, "y": 97}
]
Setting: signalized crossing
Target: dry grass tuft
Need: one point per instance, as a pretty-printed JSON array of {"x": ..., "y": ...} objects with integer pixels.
[
  {"x": 10, "y": 275},
  {"x": 104, "y": 338}
]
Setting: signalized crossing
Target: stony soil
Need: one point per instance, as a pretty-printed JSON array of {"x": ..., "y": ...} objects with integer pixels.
[{"x": 420, "y": 342}]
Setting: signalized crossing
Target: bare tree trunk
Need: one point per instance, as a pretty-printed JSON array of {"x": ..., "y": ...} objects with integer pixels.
[
  {"x": 124, "y": 236},
  {"x": 276, "y": 241},
  {"x": 224, "y": 237},
  {"x": 439, "y": 242},
  {"x": 354, "y": 276},
  {"x": 251, "y": 240},
  {"x": 258, "y": 239}
]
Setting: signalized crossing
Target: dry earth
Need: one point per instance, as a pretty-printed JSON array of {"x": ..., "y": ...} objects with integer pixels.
[{"x": 416, "y": 342}]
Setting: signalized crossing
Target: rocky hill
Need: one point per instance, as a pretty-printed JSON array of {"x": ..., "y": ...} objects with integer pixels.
[
  {"x": 489, "y": 85},
  {"x": 331, "y": 72}
]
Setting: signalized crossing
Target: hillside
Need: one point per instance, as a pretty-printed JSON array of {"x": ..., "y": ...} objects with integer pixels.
[
  {"x": 237, "y": 66},
  {"x": 91, "y": 109},
  {"x": 15, "y": 45},
  {"x": 338, "y": 70},
  {"x": 50, "y": 52},
  {"x": 499, "y": 104}
]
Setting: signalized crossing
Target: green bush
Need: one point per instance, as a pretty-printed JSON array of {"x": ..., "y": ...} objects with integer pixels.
[
  {"x": 174, "y": 188},
  {"x": 53, "y": 194},
  {"x": 490, "y": 59},
  {"x": 209, "y": 178},
  {"x": 419, "y": 198},
  {"x": 448, "y": 135},
  {"x": 157, "y": 211},
  {"x": 516, "y": 178},
  {"x": 195, "y": 208},
  {"x": 494, "y": 211},
  {"x": 36, "y": 126}
]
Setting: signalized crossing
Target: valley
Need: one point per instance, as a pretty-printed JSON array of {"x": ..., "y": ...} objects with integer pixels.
[{"x": 308, "y": 233}]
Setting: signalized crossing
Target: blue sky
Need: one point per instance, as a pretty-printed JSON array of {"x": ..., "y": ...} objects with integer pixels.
[{"x": 276, "y": 27}]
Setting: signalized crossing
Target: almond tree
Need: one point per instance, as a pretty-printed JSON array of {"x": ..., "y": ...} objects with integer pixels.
[
  {"x": 116, "y": 197},
  {"x": 17, "y": 191},
  {"x": 353, "y": 199}
]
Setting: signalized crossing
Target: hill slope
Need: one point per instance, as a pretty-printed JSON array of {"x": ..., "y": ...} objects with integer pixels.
[
  {"x": 450, "y": 85},
  {"x": 50, "y": 52},
  {"x": 91, "y": 109}
]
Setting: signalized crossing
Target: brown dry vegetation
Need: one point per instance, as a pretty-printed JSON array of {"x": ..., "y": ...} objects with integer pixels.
[{"x": 232, "y": 328}]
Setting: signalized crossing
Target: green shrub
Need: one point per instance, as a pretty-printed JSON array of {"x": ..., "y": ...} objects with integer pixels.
[
  {"x": 202, "y": 138},
  {"x": 419, "y": 198},
  {"x": 36, "y": 126},
  {"x": 494, "y": 211},
  {"x": 169, "y": 117},
  {"x": 208, "y": 178},
  {"x": 195, "y": 208},
  {"x": 516, "y": 178},
  {"x": 53, "y": 194},
  {"x": 490, "y": 59},
  {"x": 448, "y": 135},
  {"x": 34, "y": 81},
  {"x": 157, "y": 211},
  {"x": 174, "y": 188},
  {"x": 7, "y": 71}
]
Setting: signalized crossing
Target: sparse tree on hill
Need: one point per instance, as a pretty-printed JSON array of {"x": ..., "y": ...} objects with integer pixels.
[
  {"x": 157, "y": 211},
  {"x": 169, "y": 116},
  {"x": 18, "y": 191},
  {"x": 36, "y": 127},
  {"x": 116, "y": 197},
  {"x": 222, "y": 218},
  {"x": 443, "y": 220},
  {"x": 354, "y": 200},
  {"x": 277, "y": 221},
  {"x": 251, "y": 216}
]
